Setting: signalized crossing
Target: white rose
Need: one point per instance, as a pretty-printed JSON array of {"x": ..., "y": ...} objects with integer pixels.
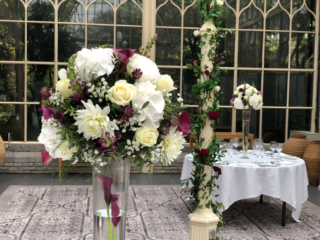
[
  {"x": 245, "y": 97},
  {"x": 238, "y": 104},
  {"x": 219, "y": 2},
  {"x": 236, "y": 92},
  {"x": 147, "y": 136},
  {"x": 152, "y": 114},
  {"x": 172, "y": 145},
  {"x": 249, "y": 91},
  {"x": 94, "y": 63},
  {"x": 254, "y": 100},
  {"x": 246, "y": 107},
  {"x": 166, "y": 83},
  {"x": 122, "y": 93},
  {"x": 217, "y": 88},
  {"x": 94, "y": 122},
  {"x": 196, "y": 33},
  {"x": 62, "y": 86},
  {"x": 149, "y": 69}
]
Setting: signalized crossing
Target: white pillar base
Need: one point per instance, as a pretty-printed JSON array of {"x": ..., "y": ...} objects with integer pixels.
[{"x": 203, "y": 224}]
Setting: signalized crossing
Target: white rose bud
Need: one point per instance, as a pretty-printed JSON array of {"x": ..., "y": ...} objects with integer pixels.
[
  {"x": 147, "y": 136},
  {"x": 217, "y": 89},
  {"x": 245, "y": 97},
  {"x": 122, "y": 93},
  {"x": 196, "y": 33},
  {"x": 165, "y": 83},
  {"x": 63, "y": 85}
]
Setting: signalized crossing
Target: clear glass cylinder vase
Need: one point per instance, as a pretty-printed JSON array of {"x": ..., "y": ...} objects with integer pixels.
[
  {"x": 110, "y": 195},
  {"x": 246, "y": 114}
]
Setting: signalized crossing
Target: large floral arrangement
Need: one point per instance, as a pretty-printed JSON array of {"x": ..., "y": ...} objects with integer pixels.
[
  {"x": 246, "y": 97},
  {"x": 112, "y": 102}
]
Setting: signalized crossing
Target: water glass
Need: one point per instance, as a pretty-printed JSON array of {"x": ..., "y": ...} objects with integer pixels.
[
  {"x": 279, "y": 150},
  {"x": 273, "y": 146}
]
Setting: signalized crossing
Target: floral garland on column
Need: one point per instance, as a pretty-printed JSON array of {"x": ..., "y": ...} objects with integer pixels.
[{"x": 204, "y": 92}]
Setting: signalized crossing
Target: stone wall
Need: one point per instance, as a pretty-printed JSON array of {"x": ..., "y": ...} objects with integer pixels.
[{"x": 26, "y": 158}]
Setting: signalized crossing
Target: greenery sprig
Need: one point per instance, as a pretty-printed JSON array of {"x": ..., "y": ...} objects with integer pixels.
[{"x": 207, "y": 91}]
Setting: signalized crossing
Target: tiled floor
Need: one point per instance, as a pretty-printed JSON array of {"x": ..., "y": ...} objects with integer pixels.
[{"x": 7, "y": 179}]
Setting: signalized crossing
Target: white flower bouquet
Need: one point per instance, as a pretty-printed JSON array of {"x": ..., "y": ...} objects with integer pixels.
[
  {"x": 112, "y": 102},
  {"x": 246, "y": 97}
]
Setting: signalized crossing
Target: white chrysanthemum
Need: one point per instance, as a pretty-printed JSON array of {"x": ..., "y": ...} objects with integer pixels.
[
  {"x": 238, "y": 104},
  {"x": 94, "y": 122},
  {"x": 48, "y": 136},
  {"x": 153, "y": 113},
  {"x": 64, "y": 151},
  {"x": 172, "y": 145},
  {"x": 254, "y": 100},
  {"x": 249, "y": 91},
  {"x": 149, "y": 69},
  {"x": 94, "y": 63}
]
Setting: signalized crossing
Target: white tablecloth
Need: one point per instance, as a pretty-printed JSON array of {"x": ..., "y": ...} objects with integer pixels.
[{"x": 287, "y": 182}]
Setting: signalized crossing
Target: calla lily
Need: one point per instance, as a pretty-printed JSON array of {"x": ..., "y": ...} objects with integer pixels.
[
  {"x": 125, "y": 54},
  {"x": 106, "y": 183},
  {"x": 115, "y": 212},
  {"x": 46, "y": 158},
  {"x": 184, "y": 123},
  {"x": 46, "y": 112}
]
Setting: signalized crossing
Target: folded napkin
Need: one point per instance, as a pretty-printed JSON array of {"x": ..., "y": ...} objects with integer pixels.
[{"x": 286, "y": 163}]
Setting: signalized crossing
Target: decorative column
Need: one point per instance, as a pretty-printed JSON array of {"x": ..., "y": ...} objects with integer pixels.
[{"x": 203, "y": 222}]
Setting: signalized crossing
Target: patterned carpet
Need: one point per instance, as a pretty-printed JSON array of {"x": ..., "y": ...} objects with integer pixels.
[{"x": 154, "y": 212}]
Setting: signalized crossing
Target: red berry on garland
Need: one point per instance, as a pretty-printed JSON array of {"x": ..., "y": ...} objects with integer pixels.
[
  {"x": 208, "y": 7},
  {"x": 203, "y": 153},
  {"x": 207, "y": 72},
  {"x": 218, "y": 59},
  {"x": 213, "y": 115},
  {"x": 218, "y": 170}
]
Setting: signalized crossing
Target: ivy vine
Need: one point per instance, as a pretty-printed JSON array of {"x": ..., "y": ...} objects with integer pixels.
[{"x": 207, "y": 91}]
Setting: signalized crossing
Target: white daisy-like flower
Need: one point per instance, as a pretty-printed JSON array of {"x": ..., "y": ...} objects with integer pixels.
[
  {"x": 172, "y": 145},
  {"x": 94, "y": 122}
]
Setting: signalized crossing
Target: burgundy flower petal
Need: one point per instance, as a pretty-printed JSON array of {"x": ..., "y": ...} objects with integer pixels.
[
  {"x": 106, "y": 184},
  {"x": 115, "y": 198},
  {"x": 125, "y": 53},
  {"x": 184, "y": 123},
  {"x": 46, "y": 158},
  {"x": 116, "y": 220},
  {"x": 46, "y": 112}
]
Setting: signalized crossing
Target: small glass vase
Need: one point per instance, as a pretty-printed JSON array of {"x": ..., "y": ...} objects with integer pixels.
[
  {"x": 107, "y": 224},
  {"x": 246, "y": 114}
]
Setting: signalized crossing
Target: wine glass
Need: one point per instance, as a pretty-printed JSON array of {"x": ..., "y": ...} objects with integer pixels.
[
  {"x": 235, "y": 144},
  {"x": 273, "y": 146},
  {"x": 262, "y": 151},
  {"x": 221, "y": 143},
  {"x": 279, "y": 150}
]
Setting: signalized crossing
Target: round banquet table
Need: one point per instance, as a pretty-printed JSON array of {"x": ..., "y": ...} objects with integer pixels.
[{"x": 286, "y": 182}]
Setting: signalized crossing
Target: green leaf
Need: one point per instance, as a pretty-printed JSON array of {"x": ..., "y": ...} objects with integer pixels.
[
  {"x": 145, "y": 105},
  {"x": 189, "y": 66}
]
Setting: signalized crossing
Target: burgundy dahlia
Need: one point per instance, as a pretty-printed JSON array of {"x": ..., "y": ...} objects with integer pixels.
[
  {"x": 218, "y": 59},
  {"x": 207, "y": 72},
  {"x": 208, "y": 6}
]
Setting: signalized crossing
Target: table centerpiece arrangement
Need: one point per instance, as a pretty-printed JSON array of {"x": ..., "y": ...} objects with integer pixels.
[
  {"x": 112, "y": 107},
  {"x": 244, "y": 98}
]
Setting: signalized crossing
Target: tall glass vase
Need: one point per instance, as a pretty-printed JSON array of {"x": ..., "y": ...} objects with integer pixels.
[
  {"x": 110, "y": 195},
  {"x": 246, "y": 114}
]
